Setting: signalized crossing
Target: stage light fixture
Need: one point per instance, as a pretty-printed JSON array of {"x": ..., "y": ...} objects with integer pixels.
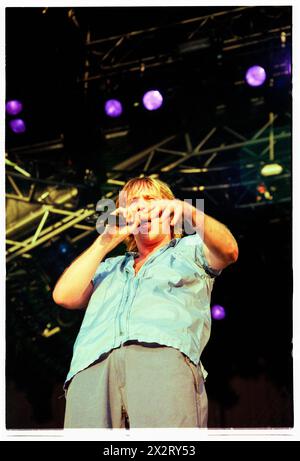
[
  {"x": 14, "y": 107},
  {"x": 263, "y": 194},
  {"x": 271, "y": 169},
  {"x": 195, "y": 45},
  {"x": 113, "y": 108},
  {"x": 218, "y": 312},
  {"x": 63, "y": 247},
  {"x": 17, "y": 125},
  {"x": 256, "y": 76},
  {"x": 152, "y": 100}
]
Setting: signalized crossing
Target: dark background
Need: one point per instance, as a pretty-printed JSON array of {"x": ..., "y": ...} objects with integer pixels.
[{"x": 58, "y": 66}]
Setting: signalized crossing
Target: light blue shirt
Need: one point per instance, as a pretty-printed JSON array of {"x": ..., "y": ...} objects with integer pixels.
[{"x": 166, "y": 302}]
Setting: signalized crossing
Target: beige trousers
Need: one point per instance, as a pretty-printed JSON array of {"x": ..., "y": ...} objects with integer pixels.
[{"x": 148, "y": 384}]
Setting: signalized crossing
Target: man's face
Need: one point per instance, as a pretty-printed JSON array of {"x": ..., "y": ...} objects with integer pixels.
[{"x": 150, "y": 229}]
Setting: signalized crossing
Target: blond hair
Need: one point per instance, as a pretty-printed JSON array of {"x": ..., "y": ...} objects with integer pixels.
[{"x": 156, "y": 187}]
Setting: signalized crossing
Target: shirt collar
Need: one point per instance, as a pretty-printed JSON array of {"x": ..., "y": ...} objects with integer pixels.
[{"x": 172, "y": 243}]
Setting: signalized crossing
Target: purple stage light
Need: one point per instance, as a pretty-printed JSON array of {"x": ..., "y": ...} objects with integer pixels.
[
  {"x": 17, "y": 125},
  {"x": 113, "y": 108},
  {"x": 256, "y": 76},
  {"x": 218, "y": 312},
  {"x": 152, "y": 100},
  {"x": 14, "y": 107}
]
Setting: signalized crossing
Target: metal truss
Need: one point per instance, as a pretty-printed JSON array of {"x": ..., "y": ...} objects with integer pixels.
[
  {"x": 42, "y": 234},
  {"x": 191, "y": 165},
  {"x": 39, "y": 210},
  {"x": 194, "y": 160},
  {"x": 125, "y": 53},
  {"x": 41, "y": 219}
]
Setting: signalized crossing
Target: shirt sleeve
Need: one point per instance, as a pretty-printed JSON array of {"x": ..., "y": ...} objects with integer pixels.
[
  {"x": 105, "y": 267},
  {"x": 196, "y": 245}
]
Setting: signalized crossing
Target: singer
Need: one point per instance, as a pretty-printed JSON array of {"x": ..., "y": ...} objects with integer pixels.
[{"x": 147, "y": 319}]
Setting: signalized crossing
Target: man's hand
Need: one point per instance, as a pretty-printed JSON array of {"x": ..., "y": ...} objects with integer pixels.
[
  {"x": 123, "y": 223},
  {"x": 169, "y": 212}
]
